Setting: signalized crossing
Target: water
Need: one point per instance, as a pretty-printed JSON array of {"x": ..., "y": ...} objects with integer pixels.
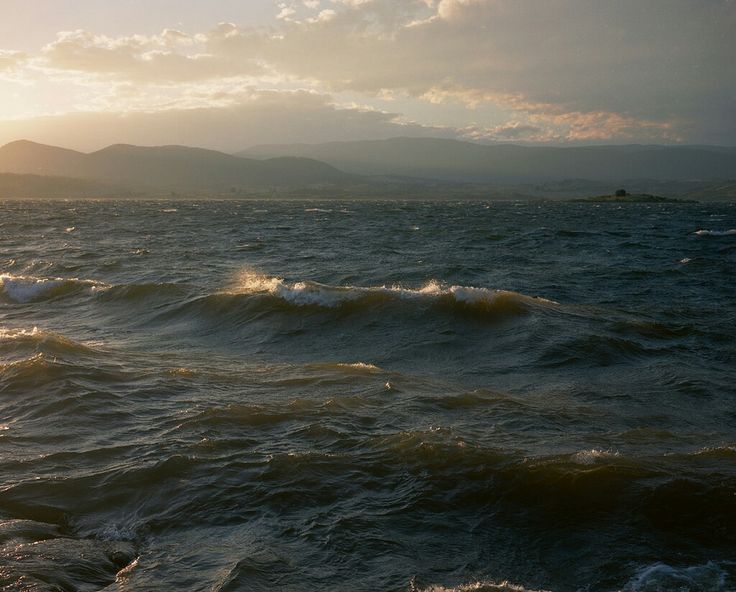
[{"x": 367, "y": 396}]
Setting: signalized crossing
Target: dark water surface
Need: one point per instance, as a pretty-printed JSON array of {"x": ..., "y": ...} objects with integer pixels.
[{"x": 286, "y": 396}]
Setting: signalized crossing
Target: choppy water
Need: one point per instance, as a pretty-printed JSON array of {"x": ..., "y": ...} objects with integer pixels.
[{"x": 367, "y": 396}]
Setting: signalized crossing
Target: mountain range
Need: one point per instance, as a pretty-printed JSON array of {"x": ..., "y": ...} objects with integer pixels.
[
  {"x": 174, "y": 168},
  {"x": 452, "y": 160},
  {"x": 398, "y": 167}
]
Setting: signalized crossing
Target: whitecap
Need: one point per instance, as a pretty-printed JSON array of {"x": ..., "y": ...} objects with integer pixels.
[
  {"x": 305, "y": 293},
  {"x": 26, "y": 289},
  {"x": 716, "y": 450},
  {"x": 359, "y": 366},
  {"x": 29, "y": 288},
  {"x": 592, "y": 456},
  {"x": 479, "y": 586},
  {"x": 13, "y": 334},
  {"x": 730, "y": 232}
]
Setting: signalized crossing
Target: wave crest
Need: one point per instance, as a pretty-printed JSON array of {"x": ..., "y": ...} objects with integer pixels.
[
  {"x": 480, "y": 586},
  {"x": 307, "y": 293},
  {"x": 24, "y": 289},
  {"x": 704, "y": 232},
  {"x": 14, "y": 341}
]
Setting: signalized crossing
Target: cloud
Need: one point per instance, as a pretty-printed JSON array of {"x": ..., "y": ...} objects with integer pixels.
[
  {"x": 514, "y": 130},
  {"x": 161, "y": 58},
  {"x": 553, "y": 71},
  {"x": 10, "y": 60},
  {"x": 549, "y": 122},
  {"x": 577, "y": 53},
  {"x": 286, "y": 12},
  {"x": 255, "y": 117},
  {"x": 324, "y": 15},
  {"x": 621, "y": 66}
]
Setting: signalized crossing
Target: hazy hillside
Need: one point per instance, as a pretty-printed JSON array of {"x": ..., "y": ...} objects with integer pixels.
[
  {"x": 465, "y": 161},
  {"x": 401, "y": 168},
  {"x": 166, "y": 167},
  {"x": 14, "y": 185}
]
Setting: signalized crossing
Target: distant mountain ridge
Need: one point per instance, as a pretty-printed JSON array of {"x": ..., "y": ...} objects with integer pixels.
[
  {"x": 454, "y": 160},
  {"x": 399, "y": 168},
  {"x": 165, "y": 167}
]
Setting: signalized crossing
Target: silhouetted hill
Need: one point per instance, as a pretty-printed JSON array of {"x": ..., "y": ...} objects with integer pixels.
[
  {"x": 166, "y": 167},
  {"x": 24, "y": 157},
  {"x": 464, "y": 161}
]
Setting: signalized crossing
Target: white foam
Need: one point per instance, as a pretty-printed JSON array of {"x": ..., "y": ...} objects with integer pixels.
[
  {"x": 716, "y": 450},
  {"x": 26, "y": 288},
  {"x": 715, "y": 232},
  {"x": 359, "y": 366},
  {"x": 12, "y": 334},
  {"x": 660, "y": 577},
  {"x": 592, "y": 456},
  {"x": 480, "y": 586},
  {"x": 313, "y": 293},
  {"x": 29, "y": 288}
]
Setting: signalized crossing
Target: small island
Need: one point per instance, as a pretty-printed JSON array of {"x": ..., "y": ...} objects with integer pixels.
[{"x": 622, "y": 196}]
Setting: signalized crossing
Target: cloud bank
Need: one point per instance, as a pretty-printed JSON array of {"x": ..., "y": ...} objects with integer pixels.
[
  {"x": 260, "y": 117},
  {"x": 557, "y": 71}
]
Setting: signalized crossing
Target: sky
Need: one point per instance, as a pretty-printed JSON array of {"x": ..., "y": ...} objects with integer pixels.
[{"x": 229, "y": 74}]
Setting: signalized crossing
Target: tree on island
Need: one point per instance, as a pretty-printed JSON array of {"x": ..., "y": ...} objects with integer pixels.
[{"x": 620, "y": 193}]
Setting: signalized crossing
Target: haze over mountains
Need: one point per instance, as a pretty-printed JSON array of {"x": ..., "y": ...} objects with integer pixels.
[
  {"x": 454, "y": 160},
  {"x": 398, "y": 167},
  {"x": 165, "y": 167}
]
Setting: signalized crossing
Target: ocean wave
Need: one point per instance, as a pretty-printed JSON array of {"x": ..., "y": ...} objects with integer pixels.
[
  {"x": 240, "y": 415},
  {"x": 660, "y": 577},
  {"x": 23, "y": 289},
  {"x": 593, "y": 456},
  {"x": 600, "y": 350},
  {"x": 307, "y": 293},
  {"x": 297, "y": 411},
  {"x": 717, "y": 451},
  {"x": 655, "y": 329},
  {"x": 14, "y": 342},
  {"x": 729, "y": 232},
  {"x": 350, "y": 367},
  {"x": 472, "y": 399},
  {"x": 480, "y": 586},
  {"x": 63, "y": 563},
  {"x": 135, "y": 292},
  {"x": 19, "y": 530}
]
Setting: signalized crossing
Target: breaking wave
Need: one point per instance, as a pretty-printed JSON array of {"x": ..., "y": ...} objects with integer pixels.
[
  {"x": 732, "y": 231},
  {"x": 480, "y": 586},
  {"x": 25, "y": 289},
  {"x": 307, "y": 293}
]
